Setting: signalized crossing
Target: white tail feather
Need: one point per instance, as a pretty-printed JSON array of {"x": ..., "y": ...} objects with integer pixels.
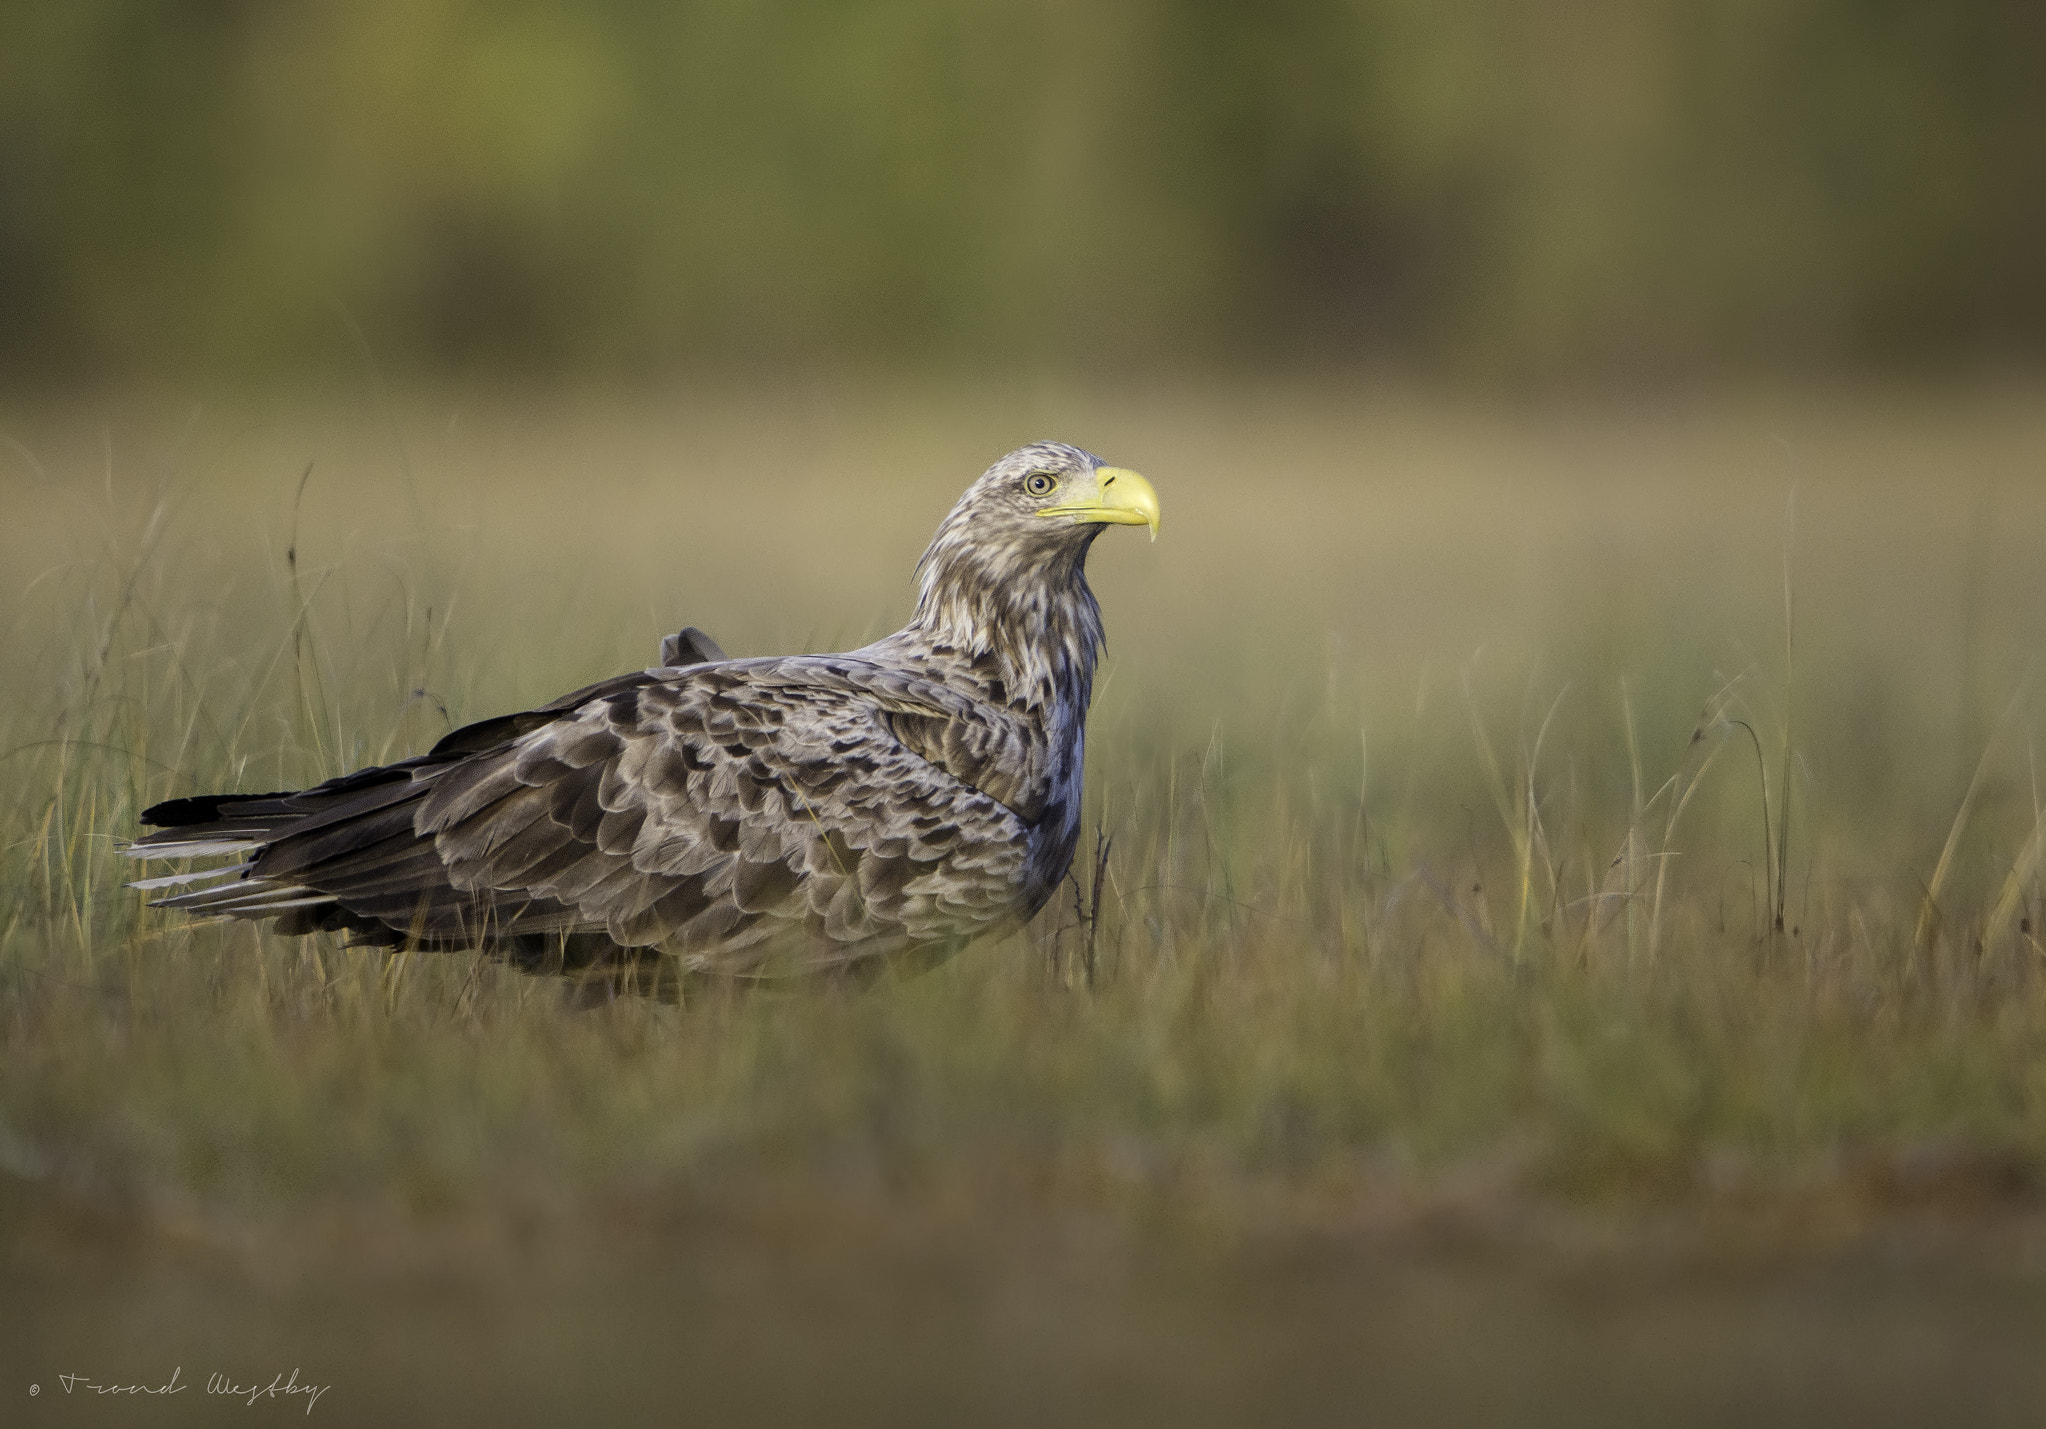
[
  {"x": 190, "y": 848},
  {"x": 245, "y": 907},
  {"x": 172, "y": 880},
  {"x": 258, "y": 894}
]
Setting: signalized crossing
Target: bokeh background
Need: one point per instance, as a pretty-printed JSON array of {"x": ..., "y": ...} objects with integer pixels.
[
  {"x": 1598, "y": 189},
  {"x": 1603, "y": 454}
]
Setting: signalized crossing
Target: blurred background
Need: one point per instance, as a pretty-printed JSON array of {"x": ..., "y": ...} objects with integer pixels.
[
  {"x": 1559, "y": 410},
  {"x": 1589, "y": 189}
]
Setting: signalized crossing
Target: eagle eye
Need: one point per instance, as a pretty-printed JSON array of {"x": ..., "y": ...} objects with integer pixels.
[{"x": 1039, "y": 483}]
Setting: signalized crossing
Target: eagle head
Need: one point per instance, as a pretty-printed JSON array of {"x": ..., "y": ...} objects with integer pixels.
[
  {"x": 1033, "y": 514},
  {"x": 1006, "y": 572}
]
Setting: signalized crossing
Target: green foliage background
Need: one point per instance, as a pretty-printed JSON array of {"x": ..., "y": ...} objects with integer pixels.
[{"x": 617, "y": 185}]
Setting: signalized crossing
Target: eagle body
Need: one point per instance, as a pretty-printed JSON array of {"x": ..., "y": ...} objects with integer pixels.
[{"x": 745, "y": 818}]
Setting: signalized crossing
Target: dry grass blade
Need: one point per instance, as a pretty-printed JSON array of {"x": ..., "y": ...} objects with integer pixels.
[{"x": 1929, "y": 915}]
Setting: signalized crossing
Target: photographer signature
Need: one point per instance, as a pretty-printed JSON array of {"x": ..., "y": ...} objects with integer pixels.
[{"x": 279, "y": 1387}]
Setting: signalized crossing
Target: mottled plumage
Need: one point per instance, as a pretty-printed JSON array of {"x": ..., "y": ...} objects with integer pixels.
[{"x": 748, "y": 817}]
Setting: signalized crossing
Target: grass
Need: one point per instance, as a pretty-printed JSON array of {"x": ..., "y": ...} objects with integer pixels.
[{"x": 1504, "y": 956}]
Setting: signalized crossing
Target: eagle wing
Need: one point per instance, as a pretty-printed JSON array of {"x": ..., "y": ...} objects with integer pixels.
[{"x": 748, "y": 816}]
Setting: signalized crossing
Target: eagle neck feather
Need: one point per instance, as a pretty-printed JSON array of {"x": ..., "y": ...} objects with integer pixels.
[{"x": 1023, "y": 609}]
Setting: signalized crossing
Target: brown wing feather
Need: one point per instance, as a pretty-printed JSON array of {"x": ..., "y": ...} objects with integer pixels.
[
  {"x": 980, "y": 753},
  {"x": 745, "y": 815},
  {"x": 732, "y": 815}
]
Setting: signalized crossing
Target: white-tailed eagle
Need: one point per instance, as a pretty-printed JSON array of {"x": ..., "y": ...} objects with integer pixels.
[{"x": 739, "y": 818}]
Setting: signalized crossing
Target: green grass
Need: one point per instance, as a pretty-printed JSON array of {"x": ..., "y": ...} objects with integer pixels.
[{"x": 1435, "y": 750}]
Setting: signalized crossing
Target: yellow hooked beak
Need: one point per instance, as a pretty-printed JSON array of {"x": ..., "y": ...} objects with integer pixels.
[{"x": 1120, "y": 498}]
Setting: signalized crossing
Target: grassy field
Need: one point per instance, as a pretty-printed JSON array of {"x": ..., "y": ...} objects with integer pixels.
[{"x": 1434, "y": 1053}]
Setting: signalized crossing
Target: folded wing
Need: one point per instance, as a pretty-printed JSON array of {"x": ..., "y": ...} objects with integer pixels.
[{"x": 745, "y": 815}]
